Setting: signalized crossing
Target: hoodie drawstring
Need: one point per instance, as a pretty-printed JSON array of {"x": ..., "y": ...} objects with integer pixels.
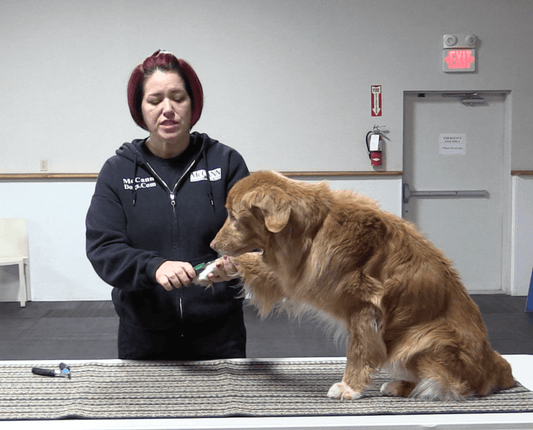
[
  {"x": 134, "y": 189},
  {"x": 210, "y": 192}
]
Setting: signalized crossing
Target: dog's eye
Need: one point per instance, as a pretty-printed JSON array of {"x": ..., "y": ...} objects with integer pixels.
[{"x": 233, "y": 219}]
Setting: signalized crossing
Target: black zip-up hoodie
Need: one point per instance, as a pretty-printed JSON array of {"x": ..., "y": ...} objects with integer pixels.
[{"x": 136, "y": 222}]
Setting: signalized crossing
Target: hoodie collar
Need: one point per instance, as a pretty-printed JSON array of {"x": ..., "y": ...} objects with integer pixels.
[{"x": 132, "y": 151}]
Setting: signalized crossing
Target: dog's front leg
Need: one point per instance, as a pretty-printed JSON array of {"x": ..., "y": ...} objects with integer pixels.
[{"x": 366, "y": 353}]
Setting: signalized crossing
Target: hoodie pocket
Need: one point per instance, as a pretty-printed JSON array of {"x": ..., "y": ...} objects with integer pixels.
[{"x": 154, "y": 309}]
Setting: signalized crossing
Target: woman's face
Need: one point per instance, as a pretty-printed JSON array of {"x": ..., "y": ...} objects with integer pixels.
[{"x": 166, "y": 107}]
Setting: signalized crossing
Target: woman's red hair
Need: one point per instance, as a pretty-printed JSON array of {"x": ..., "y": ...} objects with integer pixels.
[{"x": 165, "y": 61}]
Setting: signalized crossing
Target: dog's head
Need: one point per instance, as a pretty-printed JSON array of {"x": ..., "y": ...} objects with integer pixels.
[{"x": 258, "y": 207}]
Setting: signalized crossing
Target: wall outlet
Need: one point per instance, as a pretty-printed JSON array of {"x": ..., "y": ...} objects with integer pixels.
[{"x": 43, "y": 165}]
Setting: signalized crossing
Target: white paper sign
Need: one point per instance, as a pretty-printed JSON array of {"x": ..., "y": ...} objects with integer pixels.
[{"x": 452, "y": 144}]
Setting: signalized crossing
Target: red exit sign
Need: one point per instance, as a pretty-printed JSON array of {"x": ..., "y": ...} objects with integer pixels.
[{"x": 459, "y": 60}]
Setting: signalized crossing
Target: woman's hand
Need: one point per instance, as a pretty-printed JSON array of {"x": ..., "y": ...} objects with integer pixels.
[{"x": 174, "y": 274}]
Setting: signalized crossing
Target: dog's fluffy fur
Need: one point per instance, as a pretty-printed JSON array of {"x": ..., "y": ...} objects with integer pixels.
[{"x": 398, "y": 297}]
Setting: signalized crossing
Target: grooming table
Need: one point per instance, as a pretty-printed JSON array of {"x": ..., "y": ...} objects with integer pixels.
[{"x": 236, "y": 394}]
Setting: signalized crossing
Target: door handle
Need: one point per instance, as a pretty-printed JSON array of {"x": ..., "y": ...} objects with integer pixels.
[{"x": 408, "y": 193}]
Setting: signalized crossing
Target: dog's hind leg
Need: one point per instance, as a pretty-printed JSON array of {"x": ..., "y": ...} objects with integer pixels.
[
  {"x": 404, "y": 381},
  {"x": 398, "y": 388},
  {"x": 366, "y": 352},
  {"x": 441, "y": 377},
  {"x": 456, "y": 375}
]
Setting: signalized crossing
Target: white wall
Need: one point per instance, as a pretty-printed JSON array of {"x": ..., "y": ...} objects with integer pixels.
[
  {"x": 56, "y": 211},
  {"x": 522, "y": 236},
  {"x": 283, "y": 79},
  {"x": 55, "y": 214},
  {"x": 287, "y": 83},
  {"x": 59, "y": 269}
]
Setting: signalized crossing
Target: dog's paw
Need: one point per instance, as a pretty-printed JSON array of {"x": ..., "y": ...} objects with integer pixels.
[
  {"x": 336, "y": 390},
  {"x": 203, "y": 277},
  {"x": 389, "y": 388},
  {"x": 397, "y": 388},
  {"x": 343, "y": 391},
  {"x": 215, "y": 271}
]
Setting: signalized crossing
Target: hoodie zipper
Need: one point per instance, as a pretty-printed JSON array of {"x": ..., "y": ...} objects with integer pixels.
[{"x": 172, "y": 194}]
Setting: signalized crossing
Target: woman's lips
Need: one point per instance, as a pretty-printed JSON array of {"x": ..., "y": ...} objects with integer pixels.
[{"x": 169, "y": 123}]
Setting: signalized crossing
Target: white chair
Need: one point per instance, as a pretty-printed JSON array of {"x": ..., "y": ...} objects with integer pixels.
[{"x": 14, "y": 251}]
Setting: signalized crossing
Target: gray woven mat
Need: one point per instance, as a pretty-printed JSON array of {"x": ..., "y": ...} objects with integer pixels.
[{"x": 213, "y": 389}]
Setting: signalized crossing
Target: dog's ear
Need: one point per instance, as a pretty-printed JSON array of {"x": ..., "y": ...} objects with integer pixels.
[
  {"x": 273, "y": 203},
  {"x": 277, "y": 220}
]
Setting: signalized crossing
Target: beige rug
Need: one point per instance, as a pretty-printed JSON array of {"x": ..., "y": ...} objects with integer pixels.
[{"x": 213, "y": 389}]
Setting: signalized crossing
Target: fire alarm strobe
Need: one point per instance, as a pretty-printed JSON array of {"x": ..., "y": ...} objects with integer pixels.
[
  {"x": 459, "y": 41},
  {"x": 459, "y": 53}
]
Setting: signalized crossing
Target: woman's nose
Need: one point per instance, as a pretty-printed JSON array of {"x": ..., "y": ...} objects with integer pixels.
[{"x": 167, "y": 107}]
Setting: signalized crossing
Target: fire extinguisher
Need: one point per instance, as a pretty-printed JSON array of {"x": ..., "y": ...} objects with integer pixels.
[{"x": 374, "y": 145}]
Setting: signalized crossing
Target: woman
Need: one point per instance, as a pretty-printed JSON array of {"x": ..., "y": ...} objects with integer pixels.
[{"x": 157, "y": 205}]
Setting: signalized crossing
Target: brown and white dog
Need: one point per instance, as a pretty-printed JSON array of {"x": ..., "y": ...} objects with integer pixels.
[{"x": 397, "y": 296}]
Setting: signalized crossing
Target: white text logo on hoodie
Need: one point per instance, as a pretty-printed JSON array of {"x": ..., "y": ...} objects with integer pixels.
[
  {"x": 201, "y": 175},
  {"x": 138, "y": 183}
]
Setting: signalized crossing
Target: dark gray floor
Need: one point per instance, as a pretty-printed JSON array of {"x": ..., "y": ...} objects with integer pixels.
[{"x": 88, "y": 330}]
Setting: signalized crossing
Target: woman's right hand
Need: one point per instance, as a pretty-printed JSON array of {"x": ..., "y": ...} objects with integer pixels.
[{"x": 174, "y": 274}]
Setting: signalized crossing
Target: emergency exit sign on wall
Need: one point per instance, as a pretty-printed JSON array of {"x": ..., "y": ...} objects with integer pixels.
[
  {"x": 459, "y": 60},
  {"x": 376, "y": 100}
]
